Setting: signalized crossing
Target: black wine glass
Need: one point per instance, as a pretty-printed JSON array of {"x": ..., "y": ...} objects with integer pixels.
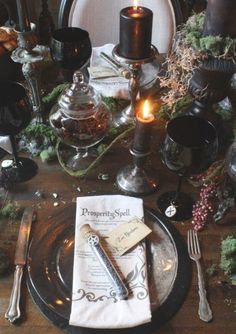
[
  {"x": 15, "y": 115},
  {"x": 190, "y": 147},
  {"x": 71, "y": 49}
]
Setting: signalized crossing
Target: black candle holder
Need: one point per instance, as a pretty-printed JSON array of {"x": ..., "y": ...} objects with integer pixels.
[
  {"x": 134, "y": 65},
  {"x": 210, "y": 82}
]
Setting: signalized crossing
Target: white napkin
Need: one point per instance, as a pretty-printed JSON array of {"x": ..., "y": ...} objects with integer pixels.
[
  {"x": 116, "y": 87},
  {"x": 94, "y": 302},
  {"x": 5, "y": 144}
]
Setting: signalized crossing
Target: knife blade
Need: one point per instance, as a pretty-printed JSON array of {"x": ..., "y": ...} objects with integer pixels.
[{"x": 13, "y": 311}]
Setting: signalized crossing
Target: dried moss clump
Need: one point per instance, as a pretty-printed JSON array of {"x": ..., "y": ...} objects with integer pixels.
[
  {"x": 190, "y": 48},
  {"x": 228, "y": 255}
]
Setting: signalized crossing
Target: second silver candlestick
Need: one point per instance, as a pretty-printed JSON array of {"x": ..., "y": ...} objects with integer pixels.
[{"x": 134, "y": 65}]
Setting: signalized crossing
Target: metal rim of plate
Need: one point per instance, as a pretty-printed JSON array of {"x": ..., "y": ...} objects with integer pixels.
[{"x": 159, "y": 316}]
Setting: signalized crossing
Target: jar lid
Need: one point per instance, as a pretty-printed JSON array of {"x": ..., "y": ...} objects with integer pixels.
[{"x": 79, "y": 99}]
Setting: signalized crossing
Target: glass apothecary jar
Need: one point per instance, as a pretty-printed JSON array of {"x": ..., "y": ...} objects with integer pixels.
[{"x": 81, "y": 120}]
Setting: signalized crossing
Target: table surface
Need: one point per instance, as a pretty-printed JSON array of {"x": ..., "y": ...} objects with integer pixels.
[{"x": 51, "y": 178}]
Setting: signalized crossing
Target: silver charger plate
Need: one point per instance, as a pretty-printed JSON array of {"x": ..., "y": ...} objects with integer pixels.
[{"x": 50, "y": 267}]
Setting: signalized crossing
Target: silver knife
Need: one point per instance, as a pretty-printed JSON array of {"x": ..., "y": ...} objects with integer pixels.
[{"x": 13, "y": 311}]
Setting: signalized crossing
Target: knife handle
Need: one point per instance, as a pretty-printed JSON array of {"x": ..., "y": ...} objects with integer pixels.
[{"x": 13, "y": 311}]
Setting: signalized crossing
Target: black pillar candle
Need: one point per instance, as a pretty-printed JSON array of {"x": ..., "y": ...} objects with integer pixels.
[
  {"x": 135, "y": 32},
  {"x": 23, "y": 15},
  {"x": 220, "y": 18},
  {"x": 142, "y": 135}
]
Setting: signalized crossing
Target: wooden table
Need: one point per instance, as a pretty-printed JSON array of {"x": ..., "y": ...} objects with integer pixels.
[{"x": 51, "y": 178}]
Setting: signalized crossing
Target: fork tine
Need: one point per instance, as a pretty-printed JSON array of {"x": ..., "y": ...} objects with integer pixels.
[
  {"x": 194, "y": 242},
  {"x": 197, "y": 243},
  {"x": 189, "y": 241},
  {"x": 204, "y": 309}
]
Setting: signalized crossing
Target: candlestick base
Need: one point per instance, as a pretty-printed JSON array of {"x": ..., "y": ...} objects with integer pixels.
[
  {"x": 126, "y": 116},
  {"x": 134, "y": 65},
  {"x": 134, "y": 179}
]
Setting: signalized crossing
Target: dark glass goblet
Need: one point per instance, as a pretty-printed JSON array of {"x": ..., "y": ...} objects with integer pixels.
[
  {"x": 15, "y": 115},
  {"x": 190, "y": 147},
  {"x": 70, "y": 49}
]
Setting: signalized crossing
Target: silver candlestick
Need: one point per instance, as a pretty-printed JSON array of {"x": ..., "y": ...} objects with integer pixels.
[
  {"x": 134, "y": 65},
  {"x": 134, "y": 178},
  {"x": 30, "y": 55}
]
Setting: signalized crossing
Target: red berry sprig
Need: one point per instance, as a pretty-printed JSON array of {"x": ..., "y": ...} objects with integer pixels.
[{"x": 205, "y": 206}]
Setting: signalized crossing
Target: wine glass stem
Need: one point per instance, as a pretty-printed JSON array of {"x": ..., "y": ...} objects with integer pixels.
[
  {"x": 180, "y": 179},
  {"x": 14, "y": 150}
]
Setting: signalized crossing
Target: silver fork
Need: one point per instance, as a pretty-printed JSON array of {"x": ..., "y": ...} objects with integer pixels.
[{"x": 204, "y": 309}]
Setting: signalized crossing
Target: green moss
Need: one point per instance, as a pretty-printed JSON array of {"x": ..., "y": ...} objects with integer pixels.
[
  {"x": 228, "y": 246},
  {"x": 39, "y": 140},
  {"x": 115, "y": 105},
  {"x": 195, "y": 22},
  {"x": 48, "y": 154},
  {"x": 228, "y": 255},
  {"x": 166, "y": 112},
  {"x": 36, "y": 130},
  {"x": 193, "y": 38},
  {"x": 211, "y": 44},
  {"x": 215, "y": 46},
  {"x": 11, "y": 211},
  {"x": 211, "y": 271},
  {"x": 51, "y": 98},
  {"x": 228, "y": 265}
]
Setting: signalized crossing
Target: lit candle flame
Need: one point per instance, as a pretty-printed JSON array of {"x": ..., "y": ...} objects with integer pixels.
[
  {"x": 135, "y": 5},
  {"x": 146, "y": 110},
  {"x": 145, "y": 114}
]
